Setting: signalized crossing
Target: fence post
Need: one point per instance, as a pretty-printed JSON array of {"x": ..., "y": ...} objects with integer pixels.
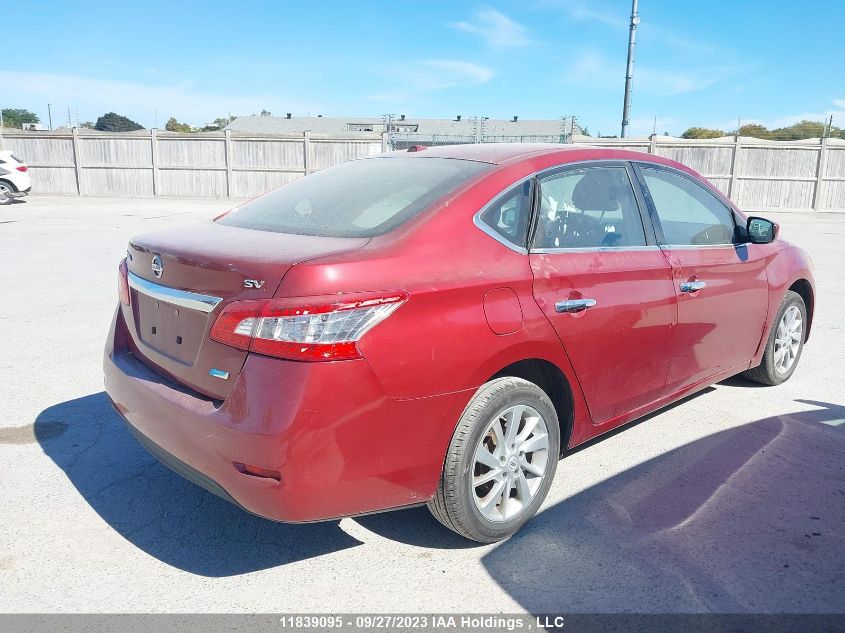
[
  {"x": 652, "y": 148},
  {"x": 732, "y": 187},
  {"x": 384, "y": 141},
  {"x": 306, "y": 151},
  {"x": 227, "y": 142},
  {"x": 821, "y": 166},
  {"x": 154, "y": 159},
  {"x": 75, "y": 132}
]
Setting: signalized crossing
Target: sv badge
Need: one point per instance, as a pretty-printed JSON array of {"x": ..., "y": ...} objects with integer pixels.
[{"x": 253, "y": 283}]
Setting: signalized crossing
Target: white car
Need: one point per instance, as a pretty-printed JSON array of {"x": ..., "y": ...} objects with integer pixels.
[{"x": 14, "y": 177}]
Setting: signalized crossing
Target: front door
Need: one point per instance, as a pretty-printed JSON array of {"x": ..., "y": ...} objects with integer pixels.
[
  {"x": 606, "y": 288},
  {"x": 721, "y": 286}
]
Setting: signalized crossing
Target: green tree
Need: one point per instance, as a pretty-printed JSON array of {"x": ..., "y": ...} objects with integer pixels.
[
  {"x": 702, "y": 132},
  {"x": 754, "y": 129},
  {"x": 805, "y": 129},
  {"x": 16, "y": 117},
  {"x": 111, "y": 122},
  {"x": 218, "y": 124},
  {"x": 88, "y": 125},
  {"x": 173, "y": 125}
]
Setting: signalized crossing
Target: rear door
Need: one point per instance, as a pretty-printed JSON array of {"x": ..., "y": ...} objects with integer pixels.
[
  {"x": 721, "y": 286},
  {"x": 604, "y": 284}
]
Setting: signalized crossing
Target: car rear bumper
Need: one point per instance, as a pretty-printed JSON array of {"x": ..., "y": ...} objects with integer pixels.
[
  {"x": 18, "y": 194},
  {"x": 338, "y": 444}
]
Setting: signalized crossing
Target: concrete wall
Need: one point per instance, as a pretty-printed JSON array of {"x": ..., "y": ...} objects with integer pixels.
[{"x": 758, "y": 175}]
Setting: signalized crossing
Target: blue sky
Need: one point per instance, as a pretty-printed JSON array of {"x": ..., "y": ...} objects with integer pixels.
[{"x": 698, "y": 63}]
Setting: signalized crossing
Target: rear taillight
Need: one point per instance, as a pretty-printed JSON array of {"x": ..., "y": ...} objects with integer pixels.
[
  {"x": 123, "y": 283},
  {"x": 276, "y": 327},
  {"x": 23, "y": 168}
]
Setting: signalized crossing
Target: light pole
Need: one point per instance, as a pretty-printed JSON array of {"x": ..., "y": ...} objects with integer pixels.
[
  {"x": 50, "y": 114},
  {"x": 629, "y": 73}
]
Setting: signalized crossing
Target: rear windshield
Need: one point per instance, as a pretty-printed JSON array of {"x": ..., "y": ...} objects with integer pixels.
[{"x": 361, "y": 198}]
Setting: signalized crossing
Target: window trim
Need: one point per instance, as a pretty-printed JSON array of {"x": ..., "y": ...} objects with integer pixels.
[
  {"x": 639, "y": 166},
  {"x": 644, "y": 210},
  {"x": 498, "y": 198}
]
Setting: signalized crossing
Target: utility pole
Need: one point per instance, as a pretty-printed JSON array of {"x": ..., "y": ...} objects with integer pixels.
[
  {"x": 629, "y": 73},
  {"x": 50, "y": 114}
]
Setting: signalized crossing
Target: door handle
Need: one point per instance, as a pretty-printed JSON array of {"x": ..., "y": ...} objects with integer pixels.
[
  {"x": 574, "y": 305},
  {"x": 692, "y": 286}
]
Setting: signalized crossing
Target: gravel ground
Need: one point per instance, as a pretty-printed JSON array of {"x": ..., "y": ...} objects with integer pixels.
[{"x": 732, "y": 501}]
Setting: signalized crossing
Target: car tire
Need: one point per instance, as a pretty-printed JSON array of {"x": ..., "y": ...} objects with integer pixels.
[
  {"x": 534, "y": 443},
  {"x": 5, "y": 188},
  {"x": 783, "y": 351}
]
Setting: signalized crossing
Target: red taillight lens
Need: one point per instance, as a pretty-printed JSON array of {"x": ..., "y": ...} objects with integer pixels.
[
  {"x": 22, "y": 168},
  {"x": 303, "y": 332},
  {"x": 123, "y": 283},
  {"x": 236, "y": 323}
]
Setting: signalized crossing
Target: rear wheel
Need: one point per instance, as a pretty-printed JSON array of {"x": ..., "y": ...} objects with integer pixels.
[
  {"x": 501, "y": 461},
  {"x": 5, "y": 188},
  {"x": 786, "y": 341}
]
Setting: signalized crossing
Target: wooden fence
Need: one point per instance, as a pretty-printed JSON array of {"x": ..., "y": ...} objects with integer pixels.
[
  {"x": 156, "y": 163},
  {"x": 757, "y": 175}
]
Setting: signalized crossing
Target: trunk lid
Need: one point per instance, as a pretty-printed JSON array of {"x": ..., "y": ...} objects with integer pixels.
[{"x": 180, "y": 279}]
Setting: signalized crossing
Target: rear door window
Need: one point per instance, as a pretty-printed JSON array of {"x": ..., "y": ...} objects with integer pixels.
[{"x": 590, "y": 207}]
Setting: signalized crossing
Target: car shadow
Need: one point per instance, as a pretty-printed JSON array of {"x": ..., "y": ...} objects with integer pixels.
[
  {"x": 750, "y": 519},
  {"x": 417, "y": 526},
  {"x": 156, "y": 510}
]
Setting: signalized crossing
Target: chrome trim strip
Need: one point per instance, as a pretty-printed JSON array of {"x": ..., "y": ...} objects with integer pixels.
[
  {"x": 548, "y": 172},
  {"x": 686, "y": 247},
  {"x": 595, "y": 249},
  {"x": 481, "y": 224},
  {"x": 183, "y": 298}
]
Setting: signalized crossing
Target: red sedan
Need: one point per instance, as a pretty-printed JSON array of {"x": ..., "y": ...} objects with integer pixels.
[{"x": 440, "y": 326}]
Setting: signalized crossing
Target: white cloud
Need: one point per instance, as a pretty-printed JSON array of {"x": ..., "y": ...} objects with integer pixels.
[
  {"x": 591, "y": 67},
  {"x": 139, "y": 101},
  {"x": 496, "y": 29},
  {"x": 431, "y": 75},
  {"x": 450, "y": 73},
  {"x": 583, "y": 11}
]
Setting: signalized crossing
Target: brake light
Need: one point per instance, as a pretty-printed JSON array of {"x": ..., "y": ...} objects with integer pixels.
[
  {"x": 123, "y": 282},
  {"x": 314, "y": 332},
  {"x": 22, "y": 168}
]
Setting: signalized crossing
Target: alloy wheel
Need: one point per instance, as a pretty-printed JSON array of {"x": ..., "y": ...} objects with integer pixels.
[
  {"x": 510, "y": 463},
  {"x": 788, "y": 339}
]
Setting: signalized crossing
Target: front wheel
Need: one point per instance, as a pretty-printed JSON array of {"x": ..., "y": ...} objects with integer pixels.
[
  {"x": 500, "y": 463},
  {"x": 786, "y": 341}
]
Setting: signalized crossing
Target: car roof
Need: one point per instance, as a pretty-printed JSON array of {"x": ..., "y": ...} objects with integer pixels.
[
  {"x": 501, "y": 153},
  {"x": 494, "y": 153}
]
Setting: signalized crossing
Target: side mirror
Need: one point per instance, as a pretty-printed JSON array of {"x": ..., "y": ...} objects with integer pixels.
[{"x": 761, "y": 230}]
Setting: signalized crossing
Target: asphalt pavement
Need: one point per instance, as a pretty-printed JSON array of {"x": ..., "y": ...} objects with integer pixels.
[{"x": 730, "y": 501}]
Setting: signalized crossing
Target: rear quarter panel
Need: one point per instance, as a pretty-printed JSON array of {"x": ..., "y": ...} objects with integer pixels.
[{"x": 439, "y": 341}]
